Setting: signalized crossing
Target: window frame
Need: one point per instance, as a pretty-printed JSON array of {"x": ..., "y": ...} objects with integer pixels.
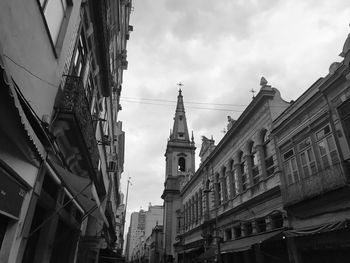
[
  {"x": 289, "y": 161},
  {"x": 56, "y": 43},
  {"x": 325, "y": 138}
]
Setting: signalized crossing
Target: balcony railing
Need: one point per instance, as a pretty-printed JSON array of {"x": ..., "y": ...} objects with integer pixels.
[
  {"x": 74, "y": 113},
  {"x": 318, "y": 183}
]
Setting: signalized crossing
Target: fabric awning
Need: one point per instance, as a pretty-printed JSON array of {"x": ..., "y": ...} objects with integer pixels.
[
  {"x": 83, "y": 191},
  {"x": 247, "y": 242},
  {"x": 317, "y": 229}
]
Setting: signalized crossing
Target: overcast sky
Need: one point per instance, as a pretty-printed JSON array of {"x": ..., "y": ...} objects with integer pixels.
[{"x": 219, "y": 50}]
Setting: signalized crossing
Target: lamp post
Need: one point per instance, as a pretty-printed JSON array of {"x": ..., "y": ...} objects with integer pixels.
[{"x": 217, "y": 236}]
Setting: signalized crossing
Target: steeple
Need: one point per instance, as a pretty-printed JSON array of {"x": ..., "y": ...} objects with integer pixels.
[{"x": 180, "y": 130}]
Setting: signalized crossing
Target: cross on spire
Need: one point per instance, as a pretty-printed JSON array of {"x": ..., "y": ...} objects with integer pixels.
[{"x": 180, "y": 84}]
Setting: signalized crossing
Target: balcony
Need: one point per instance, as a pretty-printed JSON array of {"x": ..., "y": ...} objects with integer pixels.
[
  {"x": 74, "y": 131},
  {"x": 317, "y": 184}
]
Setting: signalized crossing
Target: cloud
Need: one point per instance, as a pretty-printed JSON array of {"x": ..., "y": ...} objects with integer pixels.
[{"x": 219, "y": 50}]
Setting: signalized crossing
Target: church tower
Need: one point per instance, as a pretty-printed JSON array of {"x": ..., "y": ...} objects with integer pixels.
[{"x": 180, "y": 163}]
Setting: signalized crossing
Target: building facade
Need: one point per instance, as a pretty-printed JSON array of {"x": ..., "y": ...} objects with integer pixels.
[
  {"x": 312, "y": 136},
  {"x": 234, "y": 197},
  {"x": 61, "y": 153},
  {"x": 141, "y": 228}
]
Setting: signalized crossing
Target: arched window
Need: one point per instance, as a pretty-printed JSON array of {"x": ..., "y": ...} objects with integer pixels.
[
  {"x": 225, "y": 185},
  {"x": 233, "y": 179},
  {"x": 255, "y": 167},
  {"x": 182, "y": 164},
  {"x": 218, "y": 189},
  {"x": 244, "y": 171},
  {"x": 268, "y": 154}
]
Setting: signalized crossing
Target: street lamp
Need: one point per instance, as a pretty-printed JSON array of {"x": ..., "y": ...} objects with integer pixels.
[{"x": 217, "y": 236}]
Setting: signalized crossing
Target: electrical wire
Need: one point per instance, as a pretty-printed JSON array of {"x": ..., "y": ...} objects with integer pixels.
[
  {"x": 170, "y": 105},
  {"x": 29, "y": 72},
  {"x": 187, "y": 102}
]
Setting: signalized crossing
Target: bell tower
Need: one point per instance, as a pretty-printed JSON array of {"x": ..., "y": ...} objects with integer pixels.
[{"x": 180, "y": 162}]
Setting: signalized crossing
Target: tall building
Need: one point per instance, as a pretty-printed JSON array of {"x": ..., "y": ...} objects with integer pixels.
[
  {"x": 142, "y": 224},
  {"x": 61, "y": 142},
  {"x": 180, "y": 166}
]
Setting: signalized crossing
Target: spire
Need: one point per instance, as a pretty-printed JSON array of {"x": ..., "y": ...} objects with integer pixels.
[
  {"x": 180, "y": 130},
  {"x": 180, "y": 103}
]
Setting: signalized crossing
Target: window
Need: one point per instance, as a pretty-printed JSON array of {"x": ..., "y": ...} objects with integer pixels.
[
  {"x": 224, "y": 185},
  {"x": 307, "y": 158},
  {"x": 244, "y": 172},
  {"x": 261, "y": 225},
  {"x": 277, "y": 220},
  {"x": 228, "y": 234},
  {"x": 327, "y": 148},
  {"x": 54, "y": 12},
  {"x": 268, "y": 153},
  {"x": 255, "y": 167},
  {"x": 290, "y": 167},
  {"x": 237, "y": 231},
  {"x": 182, "y": 164},
  {"x": 247, "y": 228},
  {"x": 218, "y": 189},
  {"x": 80, "y": 56}
]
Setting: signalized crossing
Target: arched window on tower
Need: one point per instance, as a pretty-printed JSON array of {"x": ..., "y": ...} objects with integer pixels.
[{"x": 182, "y": 164}]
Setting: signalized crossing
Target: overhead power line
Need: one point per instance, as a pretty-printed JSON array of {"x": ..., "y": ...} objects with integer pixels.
[
  {"x": 187, "y": 102},
  {"x": 172, "y": 105}
]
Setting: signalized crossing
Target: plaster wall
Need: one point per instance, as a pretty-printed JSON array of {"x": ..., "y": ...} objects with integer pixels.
[{"x": 26, "y": 41}]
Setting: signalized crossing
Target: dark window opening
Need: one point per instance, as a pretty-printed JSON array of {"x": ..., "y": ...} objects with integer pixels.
[
  {"x": 277, "y": 220},
  {"x": 228, "y": 234},
  {"x": 182, "y": 164},
  {"x": 248, "y": 229},
  {"x": 261, "y": 225},
  {"x": 237, "y": 231}
]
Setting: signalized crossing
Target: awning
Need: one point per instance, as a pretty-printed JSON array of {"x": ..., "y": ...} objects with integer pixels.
[
  {"x": 82, "y": 189},
  {"x": 247, "y": 242},
  {"x": 317, "y": 229},
  {"x": 6, "y": 81}
]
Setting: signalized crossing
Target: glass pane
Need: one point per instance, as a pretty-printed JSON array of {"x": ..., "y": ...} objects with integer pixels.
[
  {"x": 322, "y": 147},
  {"x": 54, "y": 15},
  {"x": 310, "y": 155},
  {"x": 313, "y": 167},
  {"x": 296, "y": 176},
  {"x": 331, "y": 143},
  {"x": 303, "y": 158},
  {"x": 287, "y": 168},
  {"x": 294, "y": 164}
]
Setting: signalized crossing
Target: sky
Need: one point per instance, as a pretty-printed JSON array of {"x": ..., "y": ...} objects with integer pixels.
[{"x": 219, "y": 50}]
